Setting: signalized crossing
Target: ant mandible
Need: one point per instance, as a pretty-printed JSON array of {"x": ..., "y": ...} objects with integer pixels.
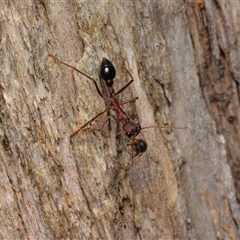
[{"x": 131, "y": 129}]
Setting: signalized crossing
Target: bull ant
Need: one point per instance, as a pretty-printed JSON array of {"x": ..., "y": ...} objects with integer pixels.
[{"x": 131, "y": 129}]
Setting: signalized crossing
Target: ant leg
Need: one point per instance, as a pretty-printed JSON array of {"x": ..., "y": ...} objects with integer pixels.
[
  {"x": 132, "y": 154},
  {"x": 94, "y": 81},
  {"x": 97, "y": 129},
  {"x": 129, "y": 100},
  {"x": 128, "y": 72},
  {"x": 132, "y": 151},
  {"x": 123, "y": 88},
  {"x": 82, "y": 128}
]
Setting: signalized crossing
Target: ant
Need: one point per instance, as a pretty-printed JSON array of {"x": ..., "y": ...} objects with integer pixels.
[{"x": 131, "y": 129}]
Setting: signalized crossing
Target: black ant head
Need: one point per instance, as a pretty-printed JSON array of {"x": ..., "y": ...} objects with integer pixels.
[
  {"x": 131, "y": 129},
  {"x": 107, "y": 72},
  {"x": 139, "y": 147}
]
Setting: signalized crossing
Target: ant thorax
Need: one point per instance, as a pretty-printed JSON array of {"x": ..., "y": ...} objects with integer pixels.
[{"x": 116, "y": 111}]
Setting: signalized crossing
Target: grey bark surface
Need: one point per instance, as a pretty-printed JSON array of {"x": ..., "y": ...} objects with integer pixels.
[{"x": 184, "y": 57}]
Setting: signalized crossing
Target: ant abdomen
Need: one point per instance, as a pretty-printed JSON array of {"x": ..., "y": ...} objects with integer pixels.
[{"x": 107, "y": 72}]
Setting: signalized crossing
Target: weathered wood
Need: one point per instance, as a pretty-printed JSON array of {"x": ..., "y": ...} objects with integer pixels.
[{"x": 184, "y": 57}]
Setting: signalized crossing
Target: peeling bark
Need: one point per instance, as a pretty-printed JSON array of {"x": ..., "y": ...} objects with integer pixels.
[{"x": 184, "y": 57}]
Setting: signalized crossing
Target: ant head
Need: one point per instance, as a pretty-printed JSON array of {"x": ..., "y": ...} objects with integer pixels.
[
  {"x": 139, "y": 147},
  {"x": 131, "y": 129},
  {"x": 107, "y": 72}
]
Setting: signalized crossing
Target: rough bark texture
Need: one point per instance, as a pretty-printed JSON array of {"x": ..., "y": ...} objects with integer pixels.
[{"x": 184, "y": 57}]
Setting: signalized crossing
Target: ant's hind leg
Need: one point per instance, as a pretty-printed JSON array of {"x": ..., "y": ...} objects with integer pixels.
[
  {"x": 124, "y": 87},
  {"x": 125, "y": 68},
  {"x": 84, "y": 74},
  {"x": 129, "y": 100}
]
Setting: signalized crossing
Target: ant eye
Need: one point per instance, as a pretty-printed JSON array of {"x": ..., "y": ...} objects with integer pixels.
[
  {"x": 107, "y": 71},
  {"x": 128, "y": 134}
]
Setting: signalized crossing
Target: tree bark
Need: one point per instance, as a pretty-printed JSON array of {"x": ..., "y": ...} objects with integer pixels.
[{"x": 184, "y": 58}]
